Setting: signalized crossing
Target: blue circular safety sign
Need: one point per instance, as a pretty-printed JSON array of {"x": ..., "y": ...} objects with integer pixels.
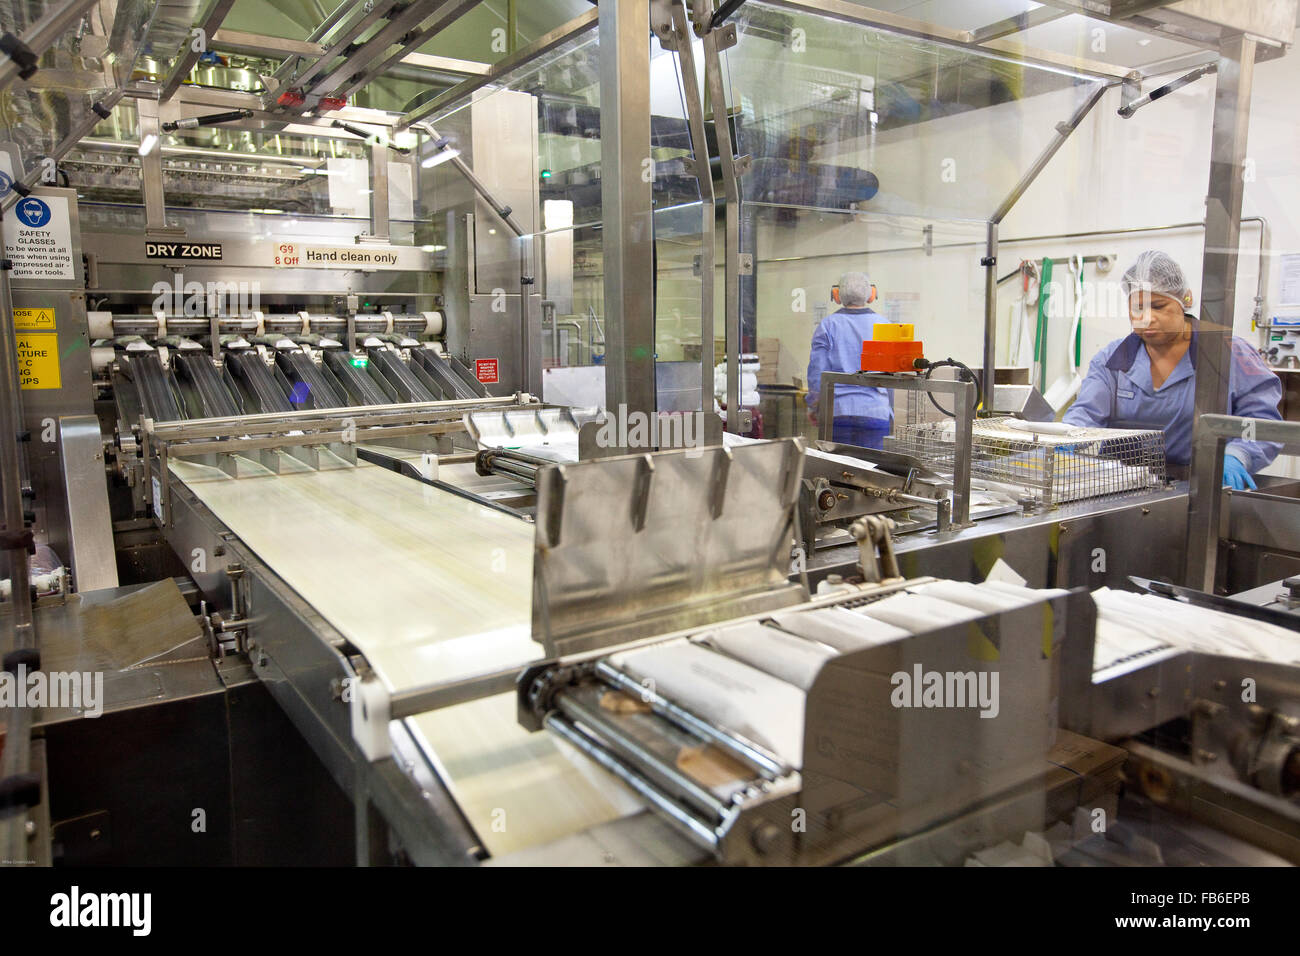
[
  {"x": 33, "y": 212},
  {"x": 6, "y": 183}
]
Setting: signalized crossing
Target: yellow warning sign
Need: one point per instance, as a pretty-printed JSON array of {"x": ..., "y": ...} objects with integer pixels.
[
  {"x": 40, "y": 319},
  {"x": 38, "y": 359}
]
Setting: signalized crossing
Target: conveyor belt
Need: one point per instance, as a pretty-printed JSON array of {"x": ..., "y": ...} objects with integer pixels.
[
  {"x": 311, "y": 388},
  {"x": 156, "y": 398},
  {"x": 197, "y": 368},
  {"x": 361, "y": 388},
  {"x": 428, "y": 586},
  {"x": 390, "y": 365},
  {"x": 443, "y": 375},
  {"x": 251, "y": 372}
]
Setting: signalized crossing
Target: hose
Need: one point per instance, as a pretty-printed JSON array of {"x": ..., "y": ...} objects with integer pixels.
[{"x": 967, "y": 376}]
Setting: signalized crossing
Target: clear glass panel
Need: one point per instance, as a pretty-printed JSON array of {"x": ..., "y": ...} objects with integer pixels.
[
  {"x": 95, "y": 56},
  {"x": 839, "y": 116},
  {"x": 878, "y": 153}
]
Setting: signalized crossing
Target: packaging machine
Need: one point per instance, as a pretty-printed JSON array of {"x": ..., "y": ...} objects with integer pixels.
[{"x": 672, "y": 696}]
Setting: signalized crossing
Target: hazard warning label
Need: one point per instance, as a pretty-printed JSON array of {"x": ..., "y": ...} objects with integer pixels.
[
  {"x": 41, "y": 320},
  {"x": 38, "y": 359}
]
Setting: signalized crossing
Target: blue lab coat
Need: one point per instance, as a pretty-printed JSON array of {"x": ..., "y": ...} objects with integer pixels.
[
  {"x": 837, "y": 347},
  {"x": 1117, "y": 393}
]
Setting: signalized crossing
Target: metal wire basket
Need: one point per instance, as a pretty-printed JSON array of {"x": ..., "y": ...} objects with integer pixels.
[{"x": 1049, "y": 467}]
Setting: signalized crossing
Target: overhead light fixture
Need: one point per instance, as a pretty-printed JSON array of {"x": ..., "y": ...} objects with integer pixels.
[
  {"x": 442, "y": 156},
  {"x": 268, "y": 212},
  {"x": 147, "y": 144},
  {"x": 433, "y": 248}
]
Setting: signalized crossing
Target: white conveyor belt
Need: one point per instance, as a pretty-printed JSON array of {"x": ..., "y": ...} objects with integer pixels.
[{"x": 428, "y": 586}]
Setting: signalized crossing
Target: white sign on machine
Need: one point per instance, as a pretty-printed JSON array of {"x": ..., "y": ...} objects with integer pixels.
[{"x": 38, "y": 238}]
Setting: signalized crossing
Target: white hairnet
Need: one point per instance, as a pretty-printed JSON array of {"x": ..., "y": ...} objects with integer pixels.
[
  {"x": 855, "y": 289},
  {"x": 1157, "y": 272}
]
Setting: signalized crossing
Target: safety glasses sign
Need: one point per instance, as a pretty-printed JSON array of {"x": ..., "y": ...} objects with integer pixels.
[{"x": 38, "y": 239}]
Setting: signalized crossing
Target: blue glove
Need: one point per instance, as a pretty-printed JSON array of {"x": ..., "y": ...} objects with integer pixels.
[{"x": 1235, "y": 475}]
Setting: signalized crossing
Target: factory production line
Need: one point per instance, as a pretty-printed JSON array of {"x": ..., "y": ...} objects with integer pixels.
[{"x": 507, "y": 643}]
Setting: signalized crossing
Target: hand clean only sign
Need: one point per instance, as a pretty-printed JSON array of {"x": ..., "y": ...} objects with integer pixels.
[{"x": 38, "y": 239}]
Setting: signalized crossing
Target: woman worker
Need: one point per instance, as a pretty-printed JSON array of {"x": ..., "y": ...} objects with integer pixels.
[{"x": 1148, "y": 379}]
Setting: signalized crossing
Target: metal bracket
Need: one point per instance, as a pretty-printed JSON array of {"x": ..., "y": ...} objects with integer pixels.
[
  {"x": 661, "y": 22},
  {"x": 727, "y": 37},
  {"x": 22, "y": 55},
  {"x": 875, "y": 548}
]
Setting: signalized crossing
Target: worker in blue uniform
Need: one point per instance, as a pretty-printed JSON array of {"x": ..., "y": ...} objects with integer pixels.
[
  {"x": 863, "y": 416},
  {"x": 1148, "y": 379}
]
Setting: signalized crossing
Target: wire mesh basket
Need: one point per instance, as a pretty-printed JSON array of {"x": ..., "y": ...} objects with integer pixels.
[{"x": 1053, "y": 466}]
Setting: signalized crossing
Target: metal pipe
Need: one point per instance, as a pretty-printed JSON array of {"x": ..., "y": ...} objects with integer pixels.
[
  {"x": 1128, "y": 109},
  {"x": 753, "y": 755},
  {"x": 208, "y": 21},
  {"x": 627, "y": 210},
  {"x": 990, "y": 264},
  {"x": 577, "y": 328},
  {"x": 301, "y": 162},
  {"x": 306, "y": 418},
  {"x": 633, "y": 751},
  {"x": 708, "y": 211},
  {"x": 731, "y": 188},
  {"x": 1063, "y": 131},
  {"x": 675, "y": 815},
  {"x": 1218, "y": 293},
  {"x": 503, "y": 212}
]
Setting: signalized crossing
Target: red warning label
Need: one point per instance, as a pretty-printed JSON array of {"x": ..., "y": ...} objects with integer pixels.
[{"x": 485, "y": 370}]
